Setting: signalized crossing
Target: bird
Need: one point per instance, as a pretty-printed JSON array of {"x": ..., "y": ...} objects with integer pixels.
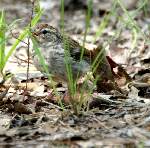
[{"x": 61, "y": 52}]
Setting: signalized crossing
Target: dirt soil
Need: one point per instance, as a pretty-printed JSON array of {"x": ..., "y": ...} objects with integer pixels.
[{"x": 113, "y": 120}]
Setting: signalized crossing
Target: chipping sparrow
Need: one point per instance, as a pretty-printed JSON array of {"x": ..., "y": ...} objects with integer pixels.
[{"x": 58, "y": 48}]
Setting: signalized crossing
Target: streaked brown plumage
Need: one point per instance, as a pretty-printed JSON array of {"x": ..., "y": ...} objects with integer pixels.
[{"x": 56, "y": 47}]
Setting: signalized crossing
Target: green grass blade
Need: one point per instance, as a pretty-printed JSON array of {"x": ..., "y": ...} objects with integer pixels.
[
  {"x": 45, "y": 66},
  {"x": 71, "y": 82},
  {"x": 23, "y": 35},
  {"x": 88, "y": 18},
  {"x": 62, "y": 16},
  {"x": 101, "y": 27},
  {"x": 2, "y": 40},
  {"x": 40, "y": 56}
]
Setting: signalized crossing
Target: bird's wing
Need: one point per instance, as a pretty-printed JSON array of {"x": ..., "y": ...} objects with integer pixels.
[{"x": 75, "y": 48}]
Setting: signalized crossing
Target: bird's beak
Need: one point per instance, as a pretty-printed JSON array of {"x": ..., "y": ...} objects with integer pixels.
[{"x": 34, "y": 34}]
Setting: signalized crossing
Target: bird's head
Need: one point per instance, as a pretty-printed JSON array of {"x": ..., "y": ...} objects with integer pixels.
[{"x": 45, "y": 33}]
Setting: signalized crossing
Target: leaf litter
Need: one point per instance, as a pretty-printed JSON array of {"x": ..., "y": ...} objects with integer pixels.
[{"x": 35, "y": 119}]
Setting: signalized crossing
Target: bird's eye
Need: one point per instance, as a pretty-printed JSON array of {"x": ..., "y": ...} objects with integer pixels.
[{"x": 44, "y": 31}]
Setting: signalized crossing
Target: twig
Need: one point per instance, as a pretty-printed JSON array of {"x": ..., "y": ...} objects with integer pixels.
[
  {"x": 28, "y": 45},
  {"x": 53, "y": 105},
  {"x": 22, "y": 60},
  {"x": 17, "y": 38}
]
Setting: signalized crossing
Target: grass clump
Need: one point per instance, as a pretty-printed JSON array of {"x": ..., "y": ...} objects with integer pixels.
[{"x": 5, "y": 28}]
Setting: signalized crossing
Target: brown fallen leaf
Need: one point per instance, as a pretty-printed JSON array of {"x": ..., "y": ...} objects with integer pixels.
[
  {"x": 21, "y": 108},
  {"x": 3, "y": 94},
  {"x": 119, "y": 73}
]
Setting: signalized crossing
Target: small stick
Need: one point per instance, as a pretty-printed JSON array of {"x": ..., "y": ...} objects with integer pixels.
[
  {"x": 17, "y": 38},
  {"x": 28, "y": 46}
]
